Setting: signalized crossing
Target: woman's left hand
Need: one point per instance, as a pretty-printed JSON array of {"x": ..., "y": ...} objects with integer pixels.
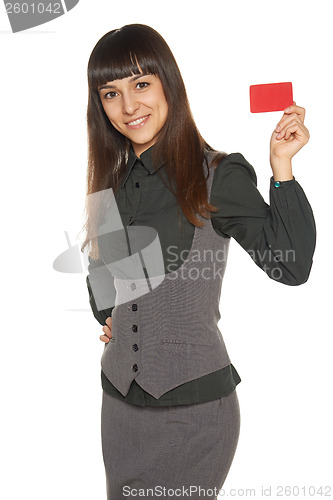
[{"x": 293, "y": 134}]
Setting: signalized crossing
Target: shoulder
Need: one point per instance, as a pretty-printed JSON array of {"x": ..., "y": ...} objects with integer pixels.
[{"x": 234, "y": 167}]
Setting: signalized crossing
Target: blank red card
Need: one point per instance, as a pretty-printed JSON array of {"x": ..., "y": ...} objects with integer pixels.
[{"x": 271, "y": 97}]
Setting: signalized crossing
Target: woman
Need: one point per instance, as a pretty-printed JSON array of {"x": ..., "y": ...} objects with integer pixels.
[{"x": 170, "y": 412}]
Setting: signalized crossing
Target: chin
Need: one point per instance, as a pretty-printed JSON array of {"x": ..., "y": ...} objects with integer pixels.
[{"x": 143, "y": 141}]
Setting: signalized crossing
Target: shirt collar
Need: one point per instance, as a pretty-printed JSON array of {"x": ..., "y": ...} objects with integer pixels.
[{"x": 145, "y": 158}]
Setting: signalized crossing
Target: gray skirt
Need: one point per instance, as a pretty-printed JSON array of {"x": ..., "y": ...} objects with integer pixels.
[{"x": 168, "y": 452}]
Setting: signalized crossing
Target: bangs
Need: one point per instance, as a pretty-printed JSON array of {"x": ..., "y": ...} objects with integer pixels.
[{"x": 120, "y": 54}]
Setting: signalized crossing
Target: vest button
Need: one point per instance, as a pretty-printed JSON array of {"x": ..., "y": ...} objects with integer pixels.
[
  {"x": 137, "y": 184},
  {"x": 135, "y": 367},
  {"x": 135, "y": 328},
  {"x": 134, "y": 307},
  {"x": 133, "y": 286},
  {"x": 135, "y": 347}
]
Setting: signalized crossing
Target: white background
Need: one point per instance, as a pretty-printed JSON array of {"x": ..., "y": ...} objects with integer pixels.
[{"x": 279, "y": 337}]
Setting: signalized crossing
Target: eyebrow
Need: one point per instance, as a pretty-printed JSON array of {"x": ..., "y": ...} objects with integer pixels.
[{"x": 136, "y": 77}]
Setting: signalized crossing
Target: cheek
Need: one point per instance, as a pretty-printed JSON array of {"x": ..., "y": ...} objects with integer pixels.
[
  {"x": 164, "y": 111},
  {"x": 159, "y": 103},
  {"x": 163, "y": 105},
  {"x": 112, "y": 116}
]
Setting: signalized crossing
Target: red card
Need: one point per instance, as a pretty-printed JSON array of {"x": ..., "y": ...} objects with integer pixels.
[{"x": 271, "y": 97}]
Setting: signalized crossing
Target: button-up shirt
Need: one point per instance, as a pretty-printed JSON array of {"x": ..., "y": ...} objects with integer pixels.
[{"x": 279, "y": 237}]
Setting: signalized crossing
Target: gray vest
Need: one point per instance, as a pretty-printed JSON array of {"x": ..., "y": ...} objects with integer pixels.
[{"x": 167, "y": 335}]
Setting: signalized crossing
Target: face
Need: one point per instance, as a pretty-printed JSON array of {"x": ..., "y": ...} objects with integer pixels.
[{"x": 136, "y": 107}]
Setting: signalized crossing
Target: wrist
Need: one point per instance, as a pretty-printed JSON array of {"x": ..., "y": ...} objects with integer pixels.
[{"x": 281, "y": 168}]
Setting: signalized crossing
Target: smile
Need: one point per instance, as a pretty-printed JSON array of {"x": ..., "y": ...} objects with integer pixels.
[{"x": 138, "y": 123}]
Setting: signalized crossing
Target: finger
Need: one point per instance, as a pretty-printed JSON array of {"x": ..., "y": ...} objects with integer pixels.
[
  {"x": 299, "y": 132},
  {"x": 108, "y": 321},
  {"x": 106, "y": 331},
  {"x": 295, "y": 109},
  {"x": 296, "y": 130},
  {"x": 292, "y": 128},
  {"x": 294, "y": 118},
  {"x": 105, "y": 338},
  {"x": 283, "y": 132}
]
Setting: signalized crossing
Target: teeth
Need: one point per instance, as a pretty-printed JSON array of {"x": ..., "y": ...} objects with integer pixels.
[{"x": 136, "y": 122}]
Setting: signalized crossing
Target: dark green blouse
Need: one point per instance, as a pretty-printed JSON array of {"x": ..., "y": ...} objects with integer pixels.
[{"x": 280, "y": 238}]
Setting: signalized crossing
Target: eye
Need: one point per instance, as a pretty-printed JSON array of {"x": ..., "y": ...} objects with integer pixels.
[
  {"x": 143, "y": 83},
  {"x": 109, "y": 93},
  {"x": 112, "y": 94}
]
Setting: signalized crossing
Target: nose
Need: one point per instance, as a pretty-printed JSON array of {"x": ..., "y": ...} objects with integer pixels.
[{"x": 130, "y": 103}]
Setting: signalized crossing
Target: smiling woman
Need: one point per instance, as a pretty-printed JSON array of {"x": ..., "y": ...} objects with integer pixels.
[
  {"x": 133, "y": 74},
  {"x": 137, "y": 108},
  {"x": 170, "y": 411}
]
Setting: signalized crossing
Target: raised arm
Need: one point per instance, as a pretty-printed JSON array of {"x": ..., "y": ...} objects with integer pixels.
[{"x": 279, "y": 237}]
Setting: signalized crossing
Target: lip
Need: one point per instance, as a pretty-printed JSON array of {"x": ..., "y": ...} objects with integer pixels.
[{"x": 139, "y": 124}]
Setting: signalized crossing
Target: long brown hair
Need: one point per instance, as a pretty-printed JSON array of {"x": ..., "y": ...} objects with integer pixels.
[{"x": 121, "y": 53}]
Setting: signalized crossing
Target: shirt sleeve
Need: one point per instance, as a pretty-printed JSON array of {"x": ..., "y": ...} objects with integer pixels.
[
  {"x": 100, "y": 284},
  {"x": 280, "y": 237}
]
